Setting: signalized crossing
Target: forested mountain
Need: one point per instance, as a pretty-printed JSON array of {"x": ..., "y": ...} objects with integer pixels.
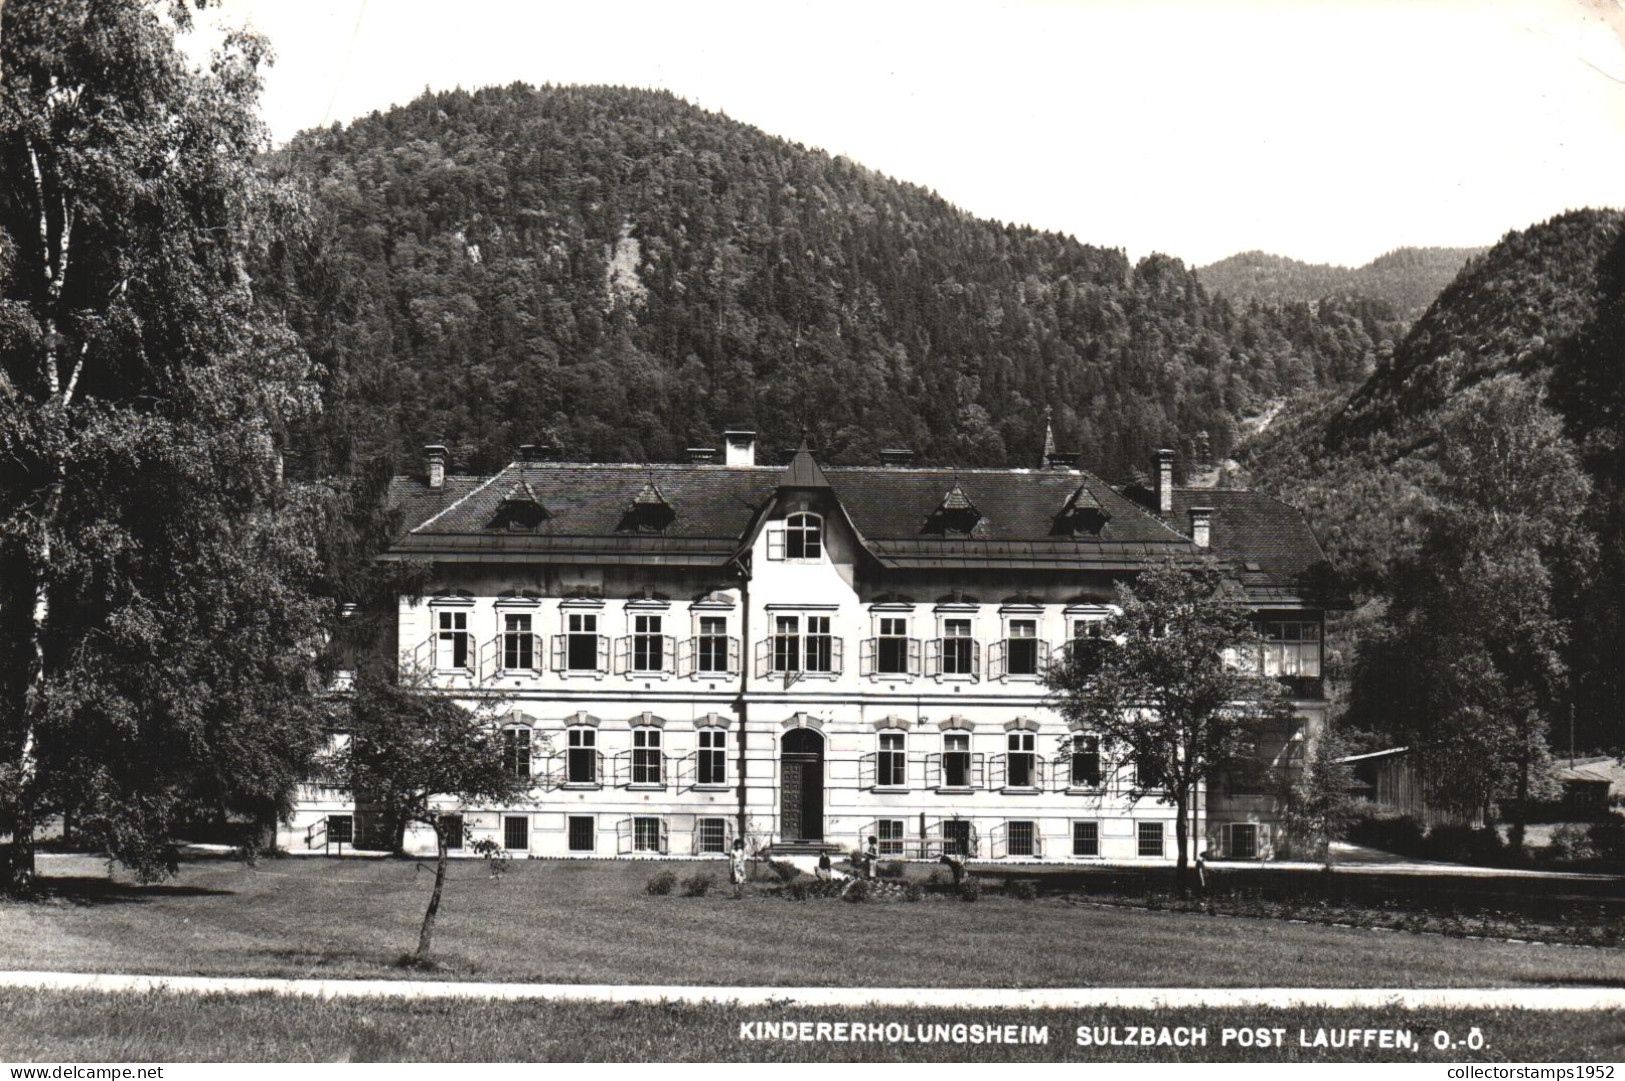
[
  {"x": 1544, "y": 310},
  {"x": 1406, "y": 279},
  {"x": 625, "y": 274}
]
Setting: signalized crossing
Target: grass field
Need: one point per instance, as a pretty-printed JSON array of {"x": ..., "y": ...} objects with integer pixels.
[
  {"x": 152, "y": 1027},
  {"x": 592, "y": 922}
]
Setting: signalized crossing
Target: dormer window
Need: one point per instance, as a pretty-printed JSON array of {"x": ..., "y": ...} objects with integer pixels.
[
  {"x": 1082, "y": 513},
  {"x": 801, "y": 537},
  {"x": 520, "y": 509},
  {"x": 955, "y": 514},
  {"x": 649, "y": 512}
]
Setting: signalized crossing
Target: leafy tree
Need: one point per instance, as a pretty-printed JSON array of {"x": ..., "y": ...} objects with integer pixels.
[
  {"x": 159, "y": 608},
  {"x": 420, "y": 755},
  {"x": 1168, "y": 681},
  {"x": 1472, "y": 666},
  {"x": 1319, "y": 799}
]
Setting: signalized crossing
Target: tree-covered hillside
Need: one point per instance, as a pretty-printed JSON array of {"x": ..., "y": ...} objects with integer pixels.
[
  {"x": 1545, "y": 311},
  {"x": 1406, "y": 279},
  {"x": 626, "y": 274}
]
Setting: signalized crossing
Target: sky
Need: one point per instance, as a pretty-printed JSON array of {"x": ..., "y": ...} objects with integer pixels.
[{"x": 1326, "y": 130}]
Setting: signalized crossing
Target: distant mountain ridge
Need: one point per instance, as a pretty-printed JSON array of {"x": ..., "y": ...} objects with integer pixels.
[
  {"x": 1407, "y": 278},
  {"x": 625, "y": 274}
]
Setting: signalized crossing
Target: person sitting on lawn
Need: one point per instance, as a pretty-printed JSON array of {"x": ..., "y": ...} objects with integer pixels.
[
  {"x": 736, "y": 864},
  {"x": 826, "y": 870}
]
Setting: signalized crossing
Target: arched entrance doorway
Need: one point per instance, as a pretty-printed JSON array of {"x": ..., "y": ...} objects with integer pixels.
[{"x": 801, "y": 785}]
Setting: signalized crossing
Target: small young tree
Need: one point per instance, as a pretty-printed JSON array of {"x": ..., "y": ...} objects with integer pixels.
[
  {"x": 1319, "y": 799},
  {"x": 411, "y": 750},
  {"x": 1171, "y": 680}
]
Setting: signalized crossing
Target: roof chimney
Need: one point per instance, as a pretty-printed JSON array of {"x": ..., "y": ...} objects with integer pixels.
[
  {"x": 1202, "y": 526},
  {"x": 702, "y": 455},
  {"x": 896, "y": 458},
  {"x": 1165, "y": 482},
  {"x": 741, "y": 446},
  {"x": 436, "y": 455}
]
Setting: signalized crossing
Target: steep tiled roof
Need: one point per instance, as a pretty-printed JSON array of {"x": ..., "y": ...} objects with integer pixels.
[
  {"x": 592, "y": 516},
  {"x": 1253, "y": 530}
]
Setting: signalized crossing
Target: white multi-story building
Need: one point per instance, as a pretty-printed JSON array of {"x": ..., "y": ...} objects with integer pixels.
[{"x": 798, "y": 655}]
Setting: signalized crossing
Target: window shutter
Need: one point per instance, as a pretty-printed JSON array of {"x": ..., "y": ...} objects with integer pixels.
[
  {"x": 623, "y": 836},
  {"x": 978, "y": 770},
  {"x": 491, "y": 656},
  {"x": 665, "y": 838},
  {"x": 913, "y": 656},
  {"x": 775, "y": 542},
  {"x": 685, "y": 657},
  {"x": 933, "y": 657},
  {"x": 558, "y": 652},
  {"x": 866, "y": 657},
  {"x": 836, "y": 648},
  {"x": 603, "y": 652},
  {"x": 999, "y": 771},
  {"x": 976, "y": 659},
  {"x": 623, "y": 654},
  {"x": 1043, "y": 657},
  {"x": 764, "y": 658},
  {"x": 933, "y": 770},
  {"x": 668, "y": 654},
  {"x": 733, "y": 656},
  {"x": 995, "y": 660},
  {"x": 866, "y": 770}
]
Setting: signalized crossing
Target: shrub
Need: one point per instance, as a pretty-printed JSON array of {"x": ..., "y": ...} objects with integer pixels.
[
  {"x": 787, "y": 871},
  {"x": 937, "y": 878},
  {"x": 891, "y": 869},
  {"x": 1024, "y": 889},
  {"x": 858, "y": 891},
  {"x": 798, "y": 890},
  {"x": 971, "y": 890},
  {"x": 1608, "y": 838},
  {"x": 698, "y": 885},
  {"x": 1463, "y": 844},
  {"x": 913, "y": 891},
  {"x": 1401, "y": 834},
  {"x": 661, "y": 884}
]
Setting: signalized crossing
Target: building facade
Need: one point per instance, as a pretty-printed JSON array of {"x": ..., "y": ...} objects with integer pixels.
[{"x": 800, "y": 655}]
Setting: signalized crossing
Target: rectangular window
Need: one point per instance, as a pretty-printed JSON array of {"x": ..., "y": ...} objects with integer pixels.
[
  {"x": 582, "y": 649},
  {"x": 820, "y": 645},
  {"x": 891, "y": 769},
  {"x": 1085, "y": 762},
  {"x": 518, "y": 646},
  {"x": 583, "y": 836},
  {"x": 1019, "y": 838},
  {"x": 1021, "y": 648},
  {"x": 451, "y": 827},
  {"x": 516, "y": 832},
  {"x": 1150, "y": 837},
  {"x": 1086, "y": 838},
  {"x": 1019, "y": 768},
  {"x": 646, "y": 834},
  {"x": 803, "y": 536},
  {"x": 713, "y": 764},
  {"x": 451, "y": 650},
  {"x": 648, "y": 644},
  {"x": 713, "y": 835},
  {"x": 1148, "y": 773},
  {"x": 889, "y": 832},
  {"x": 646, "y": 756},
  {"x": 1087, "y": 628},
  {"x": 891, "y": 649},
  {"x": 581, "y": 763},
  {"x": 712, "y": 655},
  {"x": 1243, "y": 841},
  {"x": 516, "y": 751},
  {"x": 786, "y": 643},
  {"x": 956, "y": 759},
  {"x": 340, "y": 829},
  {"x": 956, "y": 837},
  {"x": 957, "y": 655},
  {"x": 1291, "y": 648}
]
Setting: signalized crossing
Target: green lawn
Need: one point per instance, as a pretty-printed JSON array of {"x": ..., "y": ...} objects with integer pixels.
[
  {"x": 592, "y": 922},
  {"x": 152, "y": 1027}
]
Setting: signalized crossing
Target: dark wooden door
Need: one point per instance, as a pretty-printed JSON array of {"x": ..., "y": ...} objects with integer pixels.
[{"x": 801, "y": 787}]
